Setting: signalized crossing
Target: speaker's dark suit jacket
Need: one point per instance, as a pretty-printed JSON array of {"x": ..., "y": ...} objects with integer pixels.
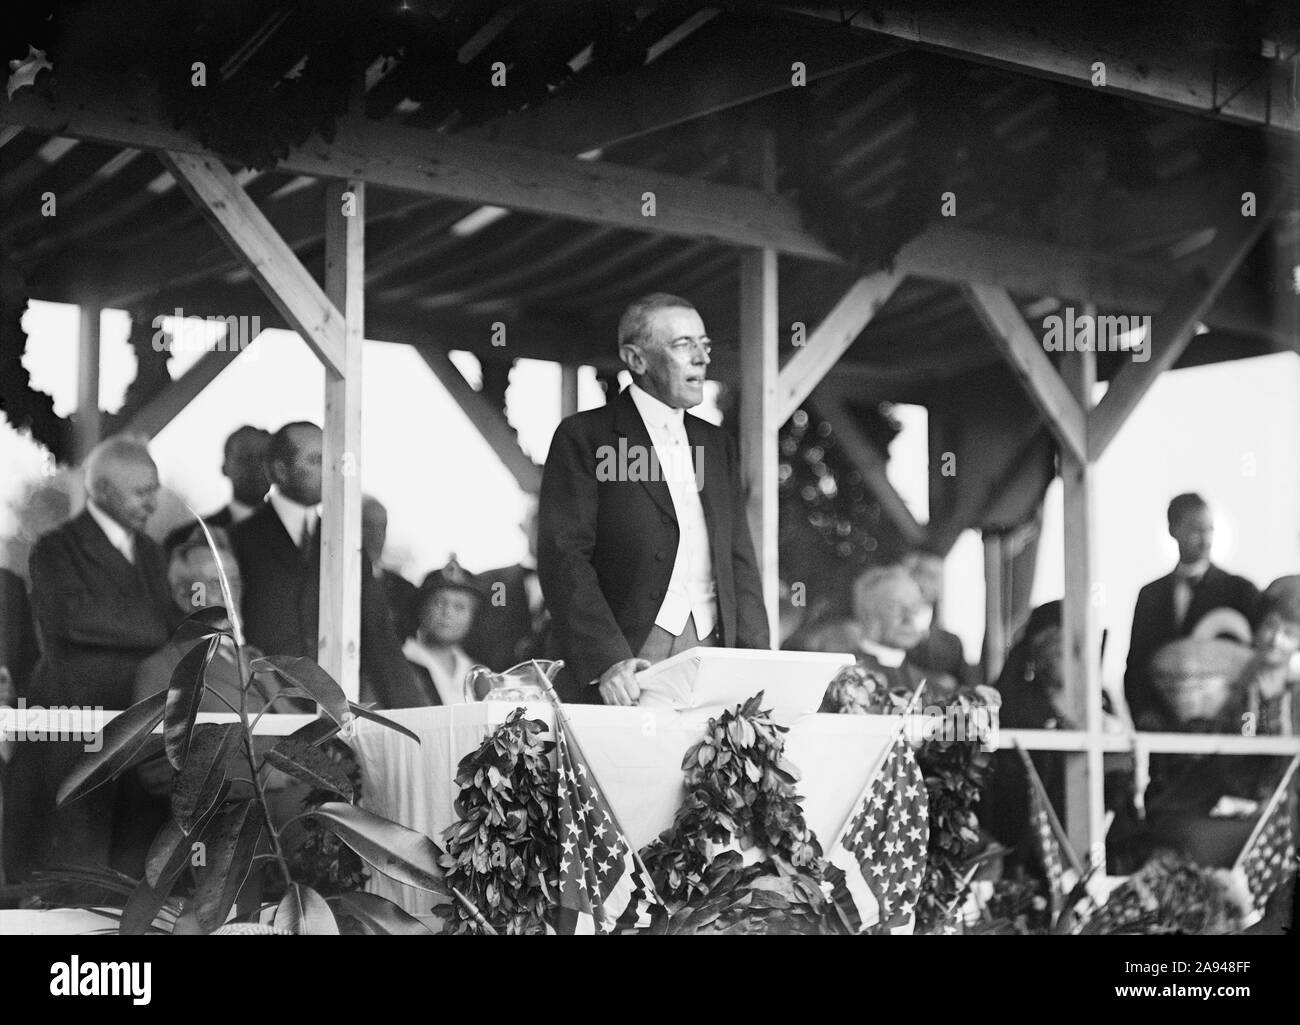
[
  {"x": 222, "y": 518},
  {"x": 98, "y": 616},
  {"x": 1154, "y": 627},
  {"x": 281, "y": 607},
  {"x": 606, "y": 547}
]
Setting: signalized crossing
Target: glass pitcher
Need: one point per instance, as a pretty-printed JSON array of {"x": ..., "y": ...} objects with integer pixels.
[{"x": 525, "y": 682}]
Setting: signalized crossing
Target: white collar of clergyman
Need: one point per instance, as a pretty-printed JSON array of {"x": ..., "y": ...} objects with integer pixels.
[
  {"x": 118, "y": 536},
  {"x": 291, "y": 514},
  {"x": 891, "y": 657},
  {"x": 239, "y": 511},
  {"x": 654, "y": 412}
]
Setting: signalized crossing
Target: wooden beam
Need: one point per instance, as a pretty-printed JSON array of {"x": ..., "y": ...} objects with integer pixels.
[
  {"x": 831, "y": 339},
  {"x": 1173, "y": 328},
  {"x": 490, "y": 421},
  {"x": 340, "y": 575},
  {"x": 86, "y": 424},
  {"x": 759, "y": 404},
  {"x": 268, "y": 258},
  {"x": 1081, "y": 611},
  {"x": 433, "y": 164},
  {"x": 1147, "y": 65},
  {"x": 1029, "y": 362},
  {"x": 164, "y": 407},
  {"x": 995, "y": 633},
  {"x": 683, "y": 85},
  {"x": 870, "y": 463}
]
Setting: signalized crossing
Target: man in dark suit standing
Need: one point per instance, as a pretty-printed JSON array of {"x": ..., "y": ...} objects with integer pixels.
[
  {"x": 245, "y": 468},
  {"x": 512, "y": 624},
  {"x": 278, "y": 549},
  {"x": 399, "y": 593},
  {"x": 644, "y": 549},
  {"x": 1169, "y": 608},
  {"x": 102, "y": 606}
]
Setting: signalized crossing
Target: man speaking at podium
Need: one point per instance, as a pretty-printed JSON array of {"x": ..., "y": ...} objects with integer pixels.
[{"x": 643, "y": 548}]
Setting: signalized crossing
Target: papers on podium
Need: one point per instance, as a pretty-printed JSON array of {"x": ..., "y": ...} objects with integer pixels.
[{"x": 793, "y": 682}]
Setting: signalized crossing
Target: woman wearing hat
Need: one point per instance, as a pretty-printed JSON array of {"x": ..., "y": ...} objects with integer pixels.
[{"x": 445, "y": 608}]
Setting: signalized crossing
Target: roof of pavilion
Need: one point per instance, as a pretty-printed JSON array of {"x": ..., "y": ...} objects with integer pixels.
[{"x": 1064, "y": 194}]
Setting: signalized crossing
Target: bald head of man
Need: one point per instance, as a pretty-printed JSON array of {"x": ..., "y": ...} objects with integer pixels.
[
  {"x": 293, "y": 462},
  {"x": 122, "y": 480}
]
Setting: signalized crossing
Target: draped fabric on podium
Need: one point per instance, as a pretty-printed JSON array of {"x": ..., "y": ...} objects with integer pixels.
[
  {"x": 604, "y": 886},
  {"x": 877, "y": 866}
]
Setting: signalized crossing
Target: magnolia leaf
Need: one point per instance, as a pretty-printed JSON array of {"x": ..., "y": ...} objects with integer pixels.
[
  {"x": 379, "y": 915},
  {"x": 309, "y": 677},
  {"x": 304, "y": 912},
  {"x": 361, "y": 712},
  {"x": 141, "y": 910},
  {"x": 232, "y": 838},
  {"x": 171, "y": 849},
  {"x": 199, "y": 784},
  {"x": 311, "y": 765},
  {"x": 397, "y": 852},
  {"x": 122, "y": 739},
  {"x": 204, "y": 622},
  {"x": 316, "y": 732},
  {"x": 183, "y": 699}
]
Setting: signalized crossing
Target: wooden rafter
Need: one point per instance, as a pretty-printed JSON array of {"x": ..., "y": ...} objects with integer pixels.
[
  {"x": 1024, "y": 354},
  {"x": 489, "y": 421},
  {"x": 164, "y": 407},
  {"x": 1147, "y": 66},
  {"x": 1173, "y": 329},
  {"x": 272, "y": 263},
  {"x": 831, "y": 339}
]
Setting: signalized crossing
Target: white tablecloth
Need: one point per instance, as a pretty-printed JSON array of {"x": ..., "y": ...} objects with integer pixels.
[{"x": 636, "y": 755}]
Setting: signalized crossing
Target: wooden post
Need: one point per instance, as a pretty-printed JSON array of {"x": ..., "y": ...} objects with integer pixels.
[
  {"x": 568, "y": 390},
  {"x": 995, "y": 636},
  {"x": 1081, "y": 624},
  {"x": 340, "y": 577},
  {"x": 759, "y": 376},
  {"x": 86, "y": 426}
]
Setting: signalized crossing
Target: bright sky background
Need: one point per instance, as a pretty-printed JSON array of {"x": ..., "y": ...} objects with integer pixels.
[{"x": 1230, "y": 431}]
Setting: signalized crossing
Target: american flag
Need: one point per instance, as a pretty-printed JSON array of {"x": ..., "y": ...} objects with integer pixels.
[
  {"x": 1049, "y": 847},
  {"x": 604, "y": 886},
  {"x": 878, "y": 863},
  {"x": 1270, "y": 852}
]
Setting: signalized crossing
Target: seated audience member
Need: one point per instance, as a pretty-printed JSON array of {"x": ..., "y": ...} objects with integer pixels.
[
  {"x": 888, "y": 613},
  {"x": 1205, "y": 806},
  {"x": 939, "y": 650},
  {"x": 399, "y": 593},
  {"x": 512, "y": 624},
  {"x": 448, "y": 600},
  {"x": 101, "y": 601},
  {"x": 1171, "y": 607},
  {"x": 279, "y": 553},
  {"x": 245, "y": 468},
  {"x": 1032, "y": 686},
  {"x": 195, "y": 584}
]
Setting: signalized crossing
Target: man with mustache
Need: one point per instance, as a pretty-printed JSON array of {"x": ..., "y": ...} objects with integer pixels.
[{"x": 644, "y": 549}]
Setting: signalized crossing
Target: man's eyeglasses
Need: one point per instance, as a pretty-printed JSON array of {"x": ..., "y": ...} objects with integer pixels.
[{"x": 687, "y": 346}]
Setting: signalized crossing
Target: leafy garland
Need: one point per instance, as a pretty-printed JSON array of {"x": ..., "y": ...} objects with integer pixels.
[
  {"x": 503, "y": 853},
  {"x": 740, "y": 791}
]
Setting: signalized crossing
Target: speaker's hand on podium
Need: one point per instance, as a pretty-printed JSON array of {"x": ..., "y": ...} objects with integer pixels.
[{"x": 618, "y": 684}]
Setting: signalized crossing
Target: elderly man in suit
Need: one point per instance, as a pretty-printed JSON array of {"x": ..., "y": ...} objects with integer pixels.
[
  {"x": 643, "y": 547},
  {"x": 1169, "y": 608},
  {"x": 245, "y": 467},
  {"x": 278, "y": 549},
  {"x": 102, "y": 606}
]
